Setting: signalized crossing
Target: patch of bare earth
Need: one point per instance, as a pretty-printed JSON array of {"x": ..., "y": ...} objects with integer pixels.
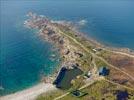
[
  {"x": 120, "y": 78},
  {"x": 124, "y": 63}
]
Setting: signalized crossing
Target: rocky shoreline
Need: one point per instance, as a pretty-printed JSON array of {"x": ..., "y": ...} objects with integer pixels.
[
  {"x": 48, "y": 30},
  {"x": 42, "y": 20},
  {"x": 71, "y": 54}
]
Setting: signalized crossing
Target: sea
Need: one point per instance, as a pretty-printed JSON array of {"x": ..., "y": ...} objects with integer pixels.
[{"x": 25, "y": 56}]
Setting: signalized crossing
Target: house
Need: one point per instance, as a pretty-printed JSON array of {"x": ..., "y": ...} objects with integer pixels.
[
  {"x": 87, "y": 75},
  {"x": 96, "y": 49},
  {"x": 78, "y": 93},
  {"x": 103, "y": 71}
]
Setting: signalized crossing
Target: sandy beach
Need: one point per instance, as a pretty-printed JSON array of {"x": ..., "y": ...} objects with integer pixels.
[{"x": 30, "y": 93}]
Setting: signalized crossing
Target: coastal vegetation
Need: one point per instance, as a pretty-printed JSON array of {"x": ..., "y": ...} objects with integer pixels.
[
  {"x": 97, "y": 91},
  {"x": 88, "y": 70},
  {"x": 89, "y": 56}
]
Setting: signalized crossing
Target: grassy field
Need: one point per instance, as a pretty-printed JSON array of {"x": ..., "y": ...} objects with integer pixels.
[
  {"x": 100, "y": 90},
  {"x": 50, "y": 95}
]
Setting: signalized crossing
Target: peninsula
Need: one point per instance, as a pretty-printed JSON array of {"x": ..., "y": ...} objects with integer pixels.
[{"x": 88, "y": 71}]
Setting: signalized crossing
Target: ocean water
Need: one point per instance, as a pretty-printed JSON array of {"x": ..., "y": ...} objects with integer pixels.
[{"x": 24, "y": 55}]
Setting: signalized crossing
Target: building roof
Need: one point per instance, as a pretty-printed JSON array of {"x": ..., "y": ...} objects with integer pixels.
[{"x": 103, "y": 71}]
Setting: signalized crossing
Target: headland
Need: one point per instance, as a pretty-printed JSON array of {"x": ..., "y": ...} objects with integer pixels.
[{"x": 105, "y": 70}]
